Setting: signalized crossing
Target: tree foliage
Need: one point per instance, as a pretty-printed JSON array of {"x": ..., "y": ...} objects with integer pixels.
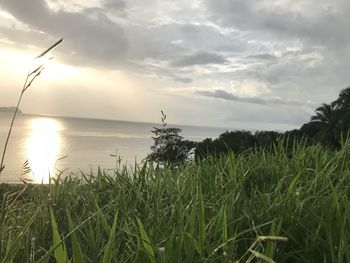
[
  {"x": 327, "y": 127},
  {"x": 169, "y": 148}
]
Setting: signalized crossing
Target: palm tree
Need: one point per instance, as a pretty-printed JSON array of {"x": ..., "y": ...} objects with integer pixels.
[
  {"x": 324, "y": 114},
  {"x": 342, "y": 107},
  {"x": 327, "y": 121},
  {"x": 343, "y": 100}
]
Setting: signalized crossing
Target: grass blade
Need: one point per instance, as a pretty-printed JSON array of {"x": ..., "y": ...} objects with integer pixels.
[
  {"x": 59, "y": 252},
  {"x": 202, "y": 234},
  {"x": 108, "y": 250},
  {"x": 12, "y": 251},
  {"x": 261, "y": 256},
  {"x": 50, "y": 48},
  {"x": 77, "y": 253},
  {"x": 146, "y": 241}
]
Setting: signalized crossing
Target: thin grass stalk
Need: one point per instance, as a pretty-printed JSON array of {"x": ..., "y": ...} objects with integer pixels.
[
  {"x": 2, "y": 166},
  {"x": 37, "y": 72}
]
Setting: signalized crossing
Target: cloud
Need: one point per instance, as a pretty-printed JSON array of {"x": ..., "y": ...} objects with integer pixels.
[
  {"x": 268, "y": 117},
  {"x": 318, "y": 21},
  {"x": 115, "y": 4},
  {"x": 295, "y": 49},
  {"x": 200, "y": 58},
  {"x": 182, "y": 79},
  {"x": 222, "y": 94},
  {"x": 24, "y": 37},
  {"x": 95, "y": 38},
  {"x": 262, "y": 57}
]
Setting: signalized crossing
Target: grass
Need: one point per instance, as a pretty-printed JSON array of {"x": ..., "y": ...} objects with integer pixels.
[{"x": 257, "y": 207}]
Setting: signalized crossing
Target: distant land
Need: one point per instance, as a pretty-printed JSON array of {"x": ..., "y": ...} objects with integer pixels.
[{"x": 9, "y": 109}]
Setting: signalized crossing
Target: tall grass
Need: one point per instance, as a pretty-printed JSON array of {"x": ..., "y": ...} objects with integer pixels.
[
  {"x": 31, "y": 76},
  {"x": 258, "y": 207}
]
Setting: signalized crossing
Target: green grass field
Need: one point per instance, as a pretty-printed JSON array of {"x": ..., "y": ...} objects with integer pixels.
[{"x": 258, "y": 207}]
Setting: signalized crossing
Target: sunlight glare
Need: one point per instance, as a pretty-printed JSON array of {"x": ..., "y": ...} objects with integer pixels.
[
  {"x": 43, "y": 147},
  {"x": 55, "y": 70},
  {"x": 20, "y": 62}
]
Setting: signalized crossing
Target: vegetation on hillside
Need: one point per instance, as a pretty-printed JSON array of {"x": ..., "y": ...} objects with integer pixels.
[
  {"x": 327, "y": 127},
  {"x": 258, "y": 206},
  {"x": 9, "y": 109}
]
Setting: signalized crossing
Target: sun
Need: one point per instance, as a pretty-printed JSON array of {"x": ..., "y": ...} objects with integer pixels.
[
  {"x": 55, "y": 70},
  {"x": 19, "y": 62}
]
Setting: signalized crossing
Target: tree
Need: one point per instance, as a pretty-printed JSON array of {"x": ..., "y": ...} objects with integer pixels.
[
  {"x": 310, "y": 129},
  {"x": 328, "y": 123},
  {"x": 342, "y": 110},
  {"x": 169, "y": 148},
  {"x": 236, "y": 141},
  {"x": 266, "y": 139},
  {"x": 343, "y": 100}
]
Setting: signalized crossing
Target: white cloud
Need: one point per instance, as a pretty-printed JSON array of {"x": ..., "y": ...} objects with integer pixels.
[
  {"x": 249, "y": 88},
  {"x": 260, "y": 53}
]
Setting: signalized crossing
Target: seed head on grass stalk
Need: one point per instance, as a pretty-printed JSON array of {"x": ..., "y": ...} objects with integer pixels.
[{"x": 31, "y": 76}]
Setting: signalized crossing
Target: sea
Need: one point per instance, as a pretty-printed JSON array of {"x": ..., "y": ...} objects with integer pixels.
[{"x": 41, "y": 147}]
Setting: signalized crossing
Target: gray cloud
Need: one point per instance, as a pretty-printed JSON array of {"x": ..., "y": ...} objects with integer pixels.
[
  {"x": 171, "y": 40},
  {"x": 95, "y": 38},
  {"x": 298, "y": 49},
  {"x": 23, "y": 38},
  {"x": 268, "y": 117},
  {"x": 262, "y": 57},
  {"x": 115, "y": 4},
  {"x": 319, "y": 21},
  {"x": 201, "y": 58},
  {"x": 221, "y": 94},
  {"x": 182, "y": 79}
]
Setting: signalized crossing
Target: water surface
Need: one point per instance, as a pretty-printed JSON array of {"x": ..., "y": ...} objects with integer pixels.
[{"x": 51, "y": 143}]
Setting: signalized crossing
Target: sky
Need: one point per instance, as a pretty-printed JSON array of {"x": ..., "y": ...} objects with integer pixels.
[{"x": 241, "y": 64}]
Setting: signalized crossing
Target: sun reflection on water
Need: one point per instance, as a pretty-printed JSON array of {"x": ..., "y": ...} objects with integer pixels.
[{"x": 43, "y": 147}]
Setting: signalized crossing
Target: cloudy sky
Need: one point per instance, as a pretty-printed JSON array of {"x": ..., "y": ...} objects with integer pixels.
[{"x": 263, "y": 64}]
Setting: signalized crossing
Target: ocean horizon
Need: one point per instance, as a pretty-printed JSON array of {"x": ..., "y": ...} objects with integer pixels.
[{"x": 76, "y": 144}]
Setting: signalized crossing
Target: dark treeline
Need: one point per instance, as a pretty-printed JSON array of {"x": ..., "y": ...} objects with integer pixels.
[
  {"x": 327, "y": 127},
  {"x": 9, "y": 109}
]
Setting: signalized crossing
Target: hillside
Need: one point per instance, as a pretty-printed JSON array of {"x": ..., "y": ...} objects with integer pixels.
[
  {"x": 259, "y": 205},
  {"x": 9, "y": 109}
]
